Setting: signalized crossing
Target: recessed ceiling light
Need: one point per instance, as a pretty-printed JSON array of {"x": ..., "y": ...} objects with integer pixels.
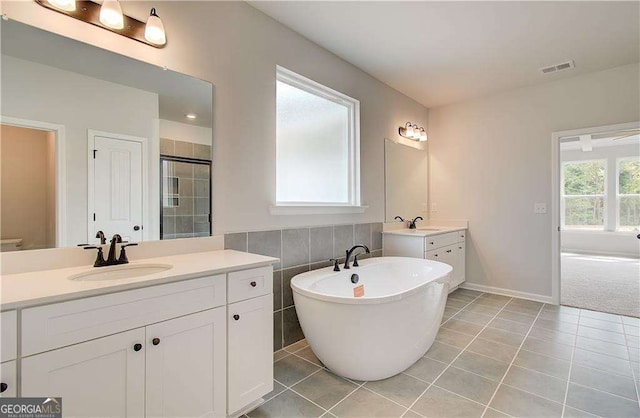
[{"x": 191, "y": 116}]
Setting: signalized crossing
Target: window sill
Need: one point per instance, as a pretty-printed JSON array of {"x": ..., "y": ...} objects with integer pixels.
[{"x": 315, "y": 210}]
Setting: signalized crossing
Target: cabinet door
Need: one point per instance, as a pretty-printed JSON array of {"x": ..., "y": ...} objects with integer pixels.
[
  {"x": 100, "y": 377},
  {"x": 8, "y": 383},
  {"x": 186, "y": 366},
  {"x": 250, "y": 351},
  {"x": 460, "y": 254}
]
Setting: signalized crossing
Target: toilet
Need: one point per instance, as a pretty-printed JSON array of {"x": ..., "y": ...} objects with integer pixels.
[{"x": 13, "y": 244}]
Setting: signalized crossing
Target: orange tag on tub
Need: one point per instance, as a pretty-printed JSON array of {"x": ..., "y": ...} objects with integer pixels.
[{"x": 358, "y": 291}]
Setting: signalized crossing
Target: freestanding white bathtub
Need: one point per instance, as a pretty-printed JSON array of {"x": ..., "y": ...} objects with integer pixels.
[{"x": 381, "y": 333}]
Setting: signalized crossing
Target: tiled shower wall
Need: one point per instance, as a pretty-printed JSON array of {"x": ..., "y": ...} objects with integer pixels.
[{"x": 301, "y": 250}]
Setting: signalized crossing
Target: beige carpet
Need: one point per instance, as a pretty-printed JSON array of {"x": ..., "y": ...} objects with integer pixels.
[{"x": 605, "y": 284}]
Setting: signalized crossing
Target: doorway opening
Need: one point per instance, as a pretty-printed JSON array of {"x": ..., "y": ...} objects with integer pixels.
[{"x": 597, "y": 185}]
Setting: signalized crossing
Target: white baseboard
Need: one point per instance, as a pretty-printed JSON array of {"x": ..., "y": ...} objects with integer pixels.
[{"x": 507, "y": 292}]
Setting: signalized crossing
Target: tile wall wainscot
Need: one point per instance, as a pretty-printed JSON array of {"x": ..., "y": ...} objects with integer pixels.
[{"x": 301, "y": 250}]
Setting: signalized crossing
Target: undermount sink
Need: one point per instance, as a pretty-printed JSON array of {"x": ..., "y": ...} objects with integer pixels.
[{"x": 126, "y": 271}]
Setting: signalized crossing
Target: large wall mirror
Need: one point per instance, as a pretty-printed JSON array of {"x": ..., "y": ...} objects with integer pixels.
[
  {"x": 406, "y": 180},
  {"x": 95, "y": 141}
]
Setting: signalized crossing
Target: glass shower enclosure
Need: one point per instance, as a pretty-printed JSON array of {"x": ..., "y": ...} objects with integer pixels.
[{"x": 185, "y": 198}]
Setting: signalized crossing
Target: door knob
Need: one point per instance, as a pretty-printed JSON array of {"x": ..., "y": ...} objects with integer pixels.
[
  {"x": 136, "y": 228},
  {"x": 137, "y": 347},
  {"x": 253, "y": 284},
  {"x": 3, "y": 387},
  {"x": 236, "y": 317},
  {"x": 155, "y": 341}
]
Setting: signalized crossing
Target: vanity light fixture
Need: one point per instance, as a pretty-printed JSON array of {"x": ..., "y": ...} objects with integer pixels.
[
  {"x": 111, "y": 14},
  {"x": 412, "y": 131},
  {"x": 108, "y": 15},
  {"x": 154, "y": 29},
  {"x": 67, "y": 5}
]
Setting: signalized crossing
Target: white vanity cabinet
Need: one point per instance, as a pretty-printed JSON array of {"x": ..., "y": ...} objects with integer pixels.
[
  {"x": 8, "y": 353},
  {"x": 448, "y": 248},
  {"x": 159, "y": 351}
]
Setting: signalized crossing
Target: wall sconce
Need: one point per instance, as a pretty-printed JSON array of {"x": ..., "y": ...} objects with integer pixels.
[
  {"x": 412, "y": 131},
  {"x": 108, "y": 15}
]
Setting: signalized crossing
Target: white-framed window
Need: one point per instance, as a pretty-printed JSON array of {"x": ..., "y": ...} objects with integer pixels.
[
  {"x": 317, "y": 147},
  {"x": 628, "y": 194},
  {"x": 584, "y": 194}
]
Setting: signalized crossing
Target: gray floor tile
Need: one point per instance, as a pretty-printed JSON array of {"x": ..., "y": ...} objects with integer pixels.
[
  {"x": 462, "y": 326},
  {"x": 562, "y": 309},
  {"x": 437, "y": 402},
  {"x": 570, "y": 412},
  {"x": 467, "y": 384},
  {"x": 280, "y": 354},
  {"x": 296, "y": 346},
  {"x": 442, "y": 352},
  {"x": 324, "y": 388},
  {"x": 603, "y": 347},
  {"x": 496, "y": 297},
  {"x": 603, "y": 325},
  {"x": 277, "y": 389},
  {"x": 363, "y": 403},
  {"x": 536, "y": 383},
  {"x": 473, "y": 317},
  {"x": 517, "y": 317},
  {"x": 426, "y": 369},
  {"x": 497, "y": 351},
  {"x": 292, "y": 369},
  {"x": 598, "y": 334},
  {"x": 453, "y": 338},
  {"x": 308, "y": 354},
  {"x": 559, "y": 316},
  {"x": 456, "y": 303},
  {"x": 556, "y": 326},
  {"x": 523, "y": 309},
  {"x": 501, "y": 336},
  {"x": 494, "y": 303},
  {"x": 601, "y": 315},
  {"x": 469, "y": 292},
  {"x": 494, "y": 413},
  {"x": 459, "y": 296},
  {"x": 543, "y": 364},
  {"x": 411, "y": 414},
  {"x": 606, "y": 382},
  {"x": 400, "y": 388},
  {"x": 602, "y": 362},
  {"x": 522, "y": 404},
  {"x": 482, "y": 309},
  {"x": 601, "y": 403},
  {"x": 548, "y": 348},
  {"x": 554, "y": 336},
  {"x": 511, "y": 326},
  {"x": 484, "y": 366},
  {"x": 287, "y": 405}
]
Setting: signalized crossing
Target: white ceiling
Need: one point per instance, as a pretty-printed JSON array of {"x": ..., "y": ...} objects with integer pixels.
[
  {"x": 178, "y": 94},
  {"x": 444, "y": 52}
]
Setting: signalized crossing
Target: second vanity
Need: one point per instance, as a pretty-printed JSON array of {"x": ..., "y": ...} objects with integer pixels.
[
  {"x": 192, "y": 340},
  {"x": 444, "y": 244}
]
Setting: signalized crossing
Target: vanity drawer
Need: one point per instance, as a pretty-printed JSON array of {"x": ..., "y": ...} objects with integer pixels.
[
  {"x": 248, "y": 284},
  {"x": 57, "y": 325},
  {"x": 442, "y": 240},
  {"x": 9, "y": 343},
  {"x": 462, "y": 235}
]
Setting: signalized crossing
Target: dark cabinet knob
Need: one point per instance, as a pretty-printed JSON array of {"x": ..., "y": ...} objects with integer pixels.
[
  {"x": 155, "y": 341},
  {"x": 431, "y": 243},
  {"x": 137, "y": 347},
  {"x": 236, "y": 317},
  {"x": 3, "y": 387},
  {"x": 253, "y": 284},
  {"x": 638, "y": 236},
  {"x": 448, "y": 251}
]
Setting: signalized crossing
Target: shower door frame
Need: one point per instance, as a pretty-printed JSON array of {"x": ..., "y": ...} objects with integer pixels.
[{"x": 190, "y": 161}]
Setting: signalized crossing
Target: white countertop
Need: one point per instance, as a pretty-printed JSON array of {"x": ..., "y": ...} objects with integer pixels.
[
  {"x": 40, "y": 287},
  {"x": 424, "y": 231}
]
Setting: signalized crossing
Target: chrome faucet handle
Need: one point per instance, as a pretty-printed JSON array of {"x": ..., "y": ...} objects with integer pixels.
[{"x": 336, "y": 264}]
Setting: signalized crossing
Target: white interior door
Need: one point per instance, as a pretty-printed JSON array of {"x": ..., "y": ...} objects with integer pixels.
[{"x": 117, "y": 188}]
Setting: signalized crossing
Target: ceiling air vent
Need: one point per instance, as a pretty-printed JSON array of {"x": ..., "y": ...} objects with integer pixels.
[{"x": 558, "y": 67}]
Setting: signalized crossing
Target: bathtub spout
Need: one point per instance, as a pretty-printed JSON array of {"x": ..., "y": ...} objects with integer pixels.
[{"x": 350, "y": 252}]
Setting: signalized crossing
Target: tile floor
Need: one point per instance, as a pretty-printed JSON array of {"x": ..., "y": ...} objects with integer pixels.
[{"x": 494, "y": 356}]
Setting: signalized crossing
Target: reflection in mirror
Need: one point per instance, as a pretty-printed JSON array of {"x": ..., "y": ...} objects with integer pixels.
[
  {"x": 406, "y": 180},
  {"x": 92, "y": 141}
]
